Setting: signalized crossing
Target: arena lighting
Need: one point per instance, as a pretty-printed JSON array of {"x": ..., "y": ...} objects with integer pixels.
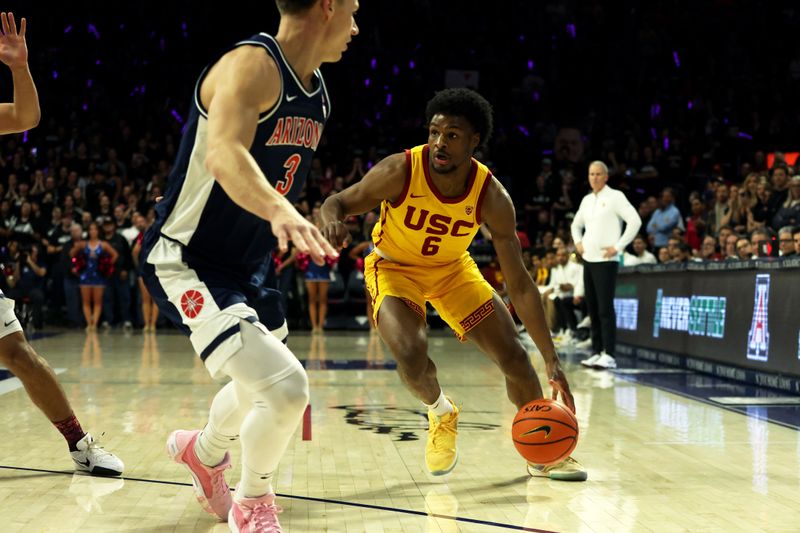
[{"x": 790, "y": 157}]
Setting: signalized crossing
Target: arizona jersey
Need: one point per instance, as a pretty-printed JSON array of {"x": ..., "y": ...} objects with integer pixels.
[
  {"x": 422, "y": 227},
  {"x": 197, "y": 213}
]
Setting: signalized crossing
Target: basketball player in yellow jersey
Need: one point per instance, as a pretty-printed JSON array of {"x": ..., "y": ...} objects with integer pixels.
[{"x": 433, "y": 199}]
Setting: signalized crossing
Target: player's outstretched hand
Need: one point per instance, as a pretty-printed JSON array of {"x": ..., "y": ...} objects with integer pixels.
[
  {"x": 13, "y": 50},
  {"x": 289, "y": 225},
  {"x": 558, "y": 380},
  {"x": 336, "y": 233}
]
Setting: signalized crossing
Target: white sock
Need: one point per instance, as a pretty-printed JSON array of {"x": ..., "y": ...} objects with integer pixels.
[
  {"x": 441, "y": 406},
  {"x": 211, "y": 445},
  {"x": 253, "y": 484},
  {"x": 231, "y": 404}
]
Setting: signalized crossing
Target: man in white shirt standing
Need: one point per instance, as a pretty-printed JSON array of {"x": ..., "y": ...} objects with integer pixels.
[{"x": 598, "y": 237}]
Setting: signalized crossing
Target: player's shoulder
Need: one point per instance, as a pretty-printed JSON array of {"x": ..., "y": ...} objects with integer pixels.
[
  {"x": 249, "y": 62},
  {"x": 395, "y": 163},
  {"x": 247, "y": 73}
]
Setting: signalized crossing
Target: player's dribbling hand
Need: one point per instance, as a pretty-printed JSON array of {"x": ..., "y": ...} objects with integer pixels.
[
  {"x": 336, "y": 233},
  {"x": 558, "y": 380},
  {"x": 289, "y": 225}
]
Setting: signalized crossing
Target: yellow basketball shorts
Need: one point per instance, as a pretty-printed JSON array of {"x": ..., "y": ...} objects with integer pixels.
[{"x": 457, "y": 290}]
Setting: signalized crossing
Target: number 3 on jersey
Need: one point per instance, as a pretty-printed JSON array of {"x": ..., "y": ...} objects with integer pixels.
[{"x": 284, "y": 185}]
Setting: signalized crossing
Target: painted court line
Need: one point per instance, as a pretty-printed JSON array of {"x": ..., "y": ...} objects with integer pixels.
[{"x": 319, "y": 500}]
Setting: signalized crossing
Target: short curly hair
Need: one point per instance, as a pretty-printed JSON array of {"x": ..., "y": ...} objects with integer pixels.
[{"x": 463, "y": 103}]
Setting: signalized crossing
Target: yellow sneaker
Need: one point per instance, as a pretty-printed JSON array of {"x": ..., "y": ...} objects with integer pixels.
[
  {"x": 441, "y": 454},
  {"x": 567, "y": 470}
]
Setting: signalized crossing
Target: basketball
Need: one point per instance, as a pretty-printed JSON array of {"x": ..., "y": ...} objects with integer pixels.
[{"x": 545, "y": 432}]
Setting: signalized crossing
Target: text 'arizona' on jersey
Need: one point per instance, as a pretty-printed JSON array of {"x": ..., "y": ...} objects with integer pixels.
[{"x": 197, "y": 212}]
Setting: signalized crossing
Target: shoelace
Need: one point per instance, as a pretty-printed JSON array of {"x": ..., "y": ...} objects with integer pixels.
[
  {"x": 265, "y": 515},
  {"x": 95, "y": 448},
  {"x": 448, "y": 428},
  {"x": 218, "y": 479}
]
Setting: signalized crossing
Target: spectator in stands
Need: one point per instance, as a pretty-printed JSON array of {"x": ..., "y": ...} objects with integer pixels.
[
  {"x": 737, "y": 213},
  {"x": 708, "y": 250},
  {"x": 664, "y": 255},
  {"x": 696, "y": 224},
  {"x": 541, "y": 272},
  {"x": 566, "y": 198},
  {"x": 744, "y": 250},
  {"x": 664, "y": 220},
  {"x": 722, "y": 238},
  {"x": 646, "y": 209},
  {"x": 118, "y": 288},
  {"x": 759, "y": 242},
  {"x": 682, "y": 253},
  {"x": 789, "y": 211},
  {"x": 72, "y": 295},
  {"x": 762, "y": 212},
  {"x": 786, "y": 242},
  {"x": 796, "y": 237},
  {"x": 53, "y": 242},
  {"x": 779, "y": 179},
  {"x": 22, "y": 230},
  {"x": 721, "y": 208},
  {"x": 28, "y": 281},
  {"x": 566, "y": 282},
  {"x": 539, "y": 199},
  {"x": 149, "y": 307},
  {"x": 672, "y": 245},
  {"x": 730, "y": 246},
  {"x": 640, "y": 255}
]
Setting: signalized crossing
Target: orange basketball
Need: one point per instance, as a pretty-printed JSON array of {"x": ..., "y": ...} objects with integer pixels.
[{"x": 545, "y": 432}]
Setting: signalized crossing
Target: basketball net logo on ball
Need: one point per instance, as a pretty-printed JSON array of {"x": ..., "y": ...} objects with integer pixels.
[
  {"x": 192, "y": 303},
  {"x": 545, "y": 432}
]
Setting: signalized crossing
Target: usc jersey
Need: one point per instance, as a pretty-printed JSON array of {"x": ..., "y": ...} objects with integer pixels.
[{"x": 422, "y": 227}]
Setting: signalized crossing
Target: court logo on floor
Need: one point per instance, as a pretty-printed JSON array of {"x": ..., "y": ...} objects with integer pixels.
[{"x": 402, "y": 424}]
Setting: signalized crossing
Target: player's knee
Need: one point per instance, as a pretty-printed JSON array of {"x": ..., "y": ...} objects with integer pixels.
[
  {"x": 409, "y": 347},
  {"x": 288, "y": 397},
  {"x": 513, "y": 359},
  {"x": 19, "y": 357}
]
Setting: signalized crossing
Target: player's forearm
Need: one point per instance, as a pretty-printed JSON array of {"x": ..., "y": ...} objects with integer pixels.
[
  {"x": 332, "y": 210},
  {"x": 239, "y": 176},
  {"x": 528, "y": 306},
  {"x": 26, "y": 100}
]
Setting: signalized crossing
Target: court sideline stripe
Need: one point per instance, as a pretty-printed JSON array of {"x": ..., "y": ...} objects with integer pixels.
[{"x": 313, "y": 499}]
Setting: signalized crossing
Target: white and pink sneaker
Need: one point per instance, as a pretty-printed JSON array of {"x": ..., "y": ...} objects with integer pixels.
[
  {"x": 209, "y": 483},
  {"x": 255, "y": 515}
]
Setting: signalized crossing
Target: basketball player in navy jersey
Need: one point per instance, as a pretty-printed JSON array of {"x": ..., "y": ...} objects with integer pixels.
[
  {"x": 256, "y": 120},
  {"x": 16, "y": 353}
]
